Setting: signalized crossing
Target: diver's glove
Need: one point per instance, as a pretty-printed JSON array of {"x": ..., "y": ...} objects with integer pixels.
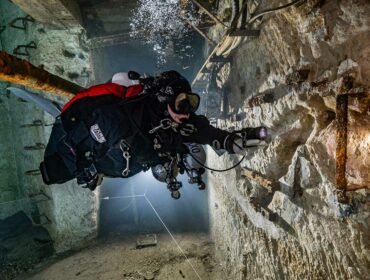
[
  {"x": 237, "y": 141},
  {"x": 88, "y": 177},
  {"x": 253, "y": 136}
]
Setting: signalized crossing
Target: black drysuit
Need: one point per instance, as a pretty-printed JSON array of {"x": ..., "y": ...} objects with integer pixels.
[{"x": 97, "y": 129}]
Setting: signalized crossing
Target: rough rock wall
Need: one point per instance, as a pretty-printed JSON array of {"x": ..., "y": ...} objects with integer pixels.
[
  {"x": 302, "y": 57},
  {"x": 72, "y": 211}
]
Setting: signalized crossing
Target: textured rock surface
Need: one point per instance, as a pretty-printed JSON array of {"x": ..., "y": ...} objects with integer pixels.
[
  {"x": 116, "y": 258},
  {"x": 301, "y": 56},
  {"x": 22, "y": 245},
  {"x": 72, "y": 211}
]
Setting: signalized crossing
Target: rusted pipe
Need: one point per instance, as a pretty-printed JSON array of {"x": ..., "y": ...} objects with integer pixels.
[
  {"x": 341, "y": 149},
  {"x": 21, "y": 72}
]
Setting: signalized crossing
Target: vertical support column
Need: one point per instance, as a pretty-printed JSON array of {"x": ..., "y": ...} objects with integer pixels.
[{"x": 341, "y": 150}]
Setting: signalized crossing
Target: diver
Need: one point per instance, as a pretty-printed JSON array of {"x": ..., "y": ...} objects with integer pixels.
[{"x": 132, "y": 124}]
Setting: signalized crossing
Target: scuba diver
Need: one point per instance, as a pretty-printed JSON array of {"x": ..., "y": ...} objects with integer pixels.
[{"x": 132, "y": 124}]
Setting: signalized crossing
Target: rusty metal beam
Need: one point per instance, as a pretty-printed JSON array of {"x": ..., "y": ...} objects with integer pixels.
[
  {"x": 261, "y": 99},
  {"x": 260, "y": 180},
  {"x": 21, "y": 72},
  {"x": 341, "y": 149}
]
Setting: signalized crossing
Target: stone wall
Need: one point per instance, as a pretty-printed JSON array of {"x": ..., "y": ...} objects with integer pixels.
[
  {"x": 301, "y": 56},
  {"x": 59, "y": 13},
  {"x": 72, "y": 211}
]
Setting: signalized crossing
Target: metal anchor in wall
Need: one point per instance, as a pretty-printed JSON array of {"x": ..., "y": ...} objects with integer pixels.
[
  {"x": 23, "y": 49},
  {"x": 24, "y": 20},
  {"x": 37, "y": 146},
  {"x": 34, "y": 172},
  {"x": 35, "y": 123}
]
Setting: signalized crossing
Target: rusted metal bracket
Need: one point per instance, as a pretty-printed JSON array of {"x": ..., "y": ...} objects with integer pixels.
[
  {"x": 261, "y": 99},
  {"x": 260, "y": 180},
  {"x": 33, "y": 172},
  {"x": 21, "y": 72},
  {"x": 23, "y": 49},
  {"x": 342, "y": 186},
  {"x": 37, "y": 146},
  {"x": 24, "y": 20},
  {"x": 341, "y": 149},
  {"x": 242, "y": 32},
  {"x": 34, "y": 123}
]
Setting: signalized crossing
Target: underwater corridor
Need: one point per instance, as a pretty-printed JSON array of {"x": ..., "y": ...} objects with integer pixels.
[{"x": 272, "y": 183}]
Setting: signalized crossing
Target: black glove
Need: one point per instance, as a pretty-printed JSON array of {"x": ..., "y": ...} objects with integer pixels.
[
  {"x": 259, "y": 133},
  {"x": 88, "y": 177}
]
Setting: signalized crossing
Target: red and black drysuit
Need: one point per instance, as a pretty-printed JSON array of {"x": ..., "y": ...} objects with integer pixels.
[{"x": 98, "y": 121}]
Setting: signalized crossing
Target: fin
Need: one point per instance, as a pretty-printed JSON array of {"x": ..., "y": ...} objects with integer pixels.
[{"x": 47, "y": 105}]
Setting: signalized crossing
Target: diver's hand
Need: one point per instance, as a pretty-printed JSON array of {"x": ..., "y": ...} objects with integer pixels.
[{"x": 88, "y": 177}]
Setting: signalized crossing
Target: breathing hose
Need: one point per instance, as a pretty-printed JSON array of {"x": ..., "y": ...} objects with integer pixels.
[{"x": 219, "y": 170}]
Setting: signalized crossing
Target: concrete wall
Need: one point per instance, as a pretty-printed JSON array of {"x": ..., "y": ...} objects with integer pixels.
[
  {"x": 71, "y": 210},
  {"x": 10, "y": 191},
  {"x": 314, "y": 236}
]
